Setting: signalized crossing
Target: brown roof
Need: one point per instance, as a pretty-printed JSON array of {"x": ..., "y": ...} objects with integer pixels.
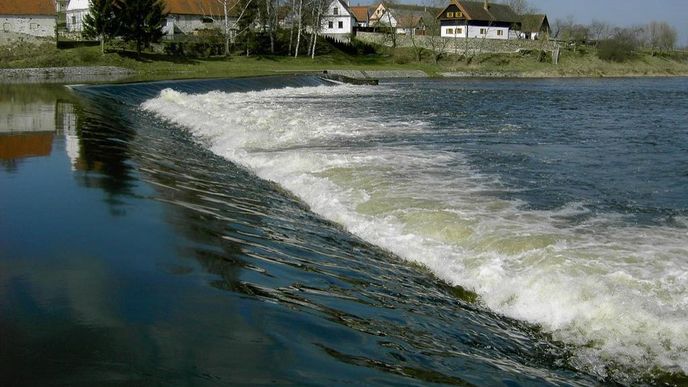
[
  {"x": 534, "y": 23},
  {"x": 27, "y": 7},
  {"x": 360, "y": 13},
  {"x": 409, "y": 21},
  {"x": 475, "y": 10},
  {"x": 199, "y": 7}
]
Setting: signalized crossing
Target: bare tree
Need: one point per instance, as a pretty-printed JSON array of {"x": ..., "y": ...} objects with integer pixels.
[
  {"x": 599, "y": 30},
  {"x": 318, "y": 8},
  {"x": 521, "y": 7},
  {"x": 660, "y": 36},
  {"x": 299, "y": 15},
  {"x": 437, "y": 43}
]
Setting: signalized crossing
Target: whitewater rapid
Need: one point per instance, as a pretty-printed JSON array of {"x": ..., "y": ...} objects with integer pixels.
[{"x": 616, "y": 292}]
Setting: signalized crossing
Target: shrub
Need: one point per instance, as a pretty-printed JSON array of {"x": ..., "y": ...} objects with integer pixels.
[{"x": 620, "y": 48}]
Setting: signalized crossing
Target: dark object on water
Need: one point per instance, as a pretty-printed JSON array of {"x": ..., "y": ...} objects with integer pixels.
[{"x": 336, "y": 78}]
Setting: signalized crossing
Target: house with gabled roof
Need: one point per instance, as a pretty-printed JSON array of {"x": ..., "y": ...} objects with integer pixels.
[
  {"x": 187, "y": 16},
  {"x": 534, "y": 27},
  {"x": 474, "y": 19},
  {"x": 337, "y": 20},
  {"x": 362, "y": 15},
  {"x": 183, "y": 16},
  {"x": 30, "y": 17},
  {"x": 405, "y": 18}
]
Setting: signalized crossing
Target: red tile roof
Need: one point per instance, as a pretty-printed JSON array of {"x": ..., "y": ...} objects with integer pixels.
[
  {"x": 360, "y": 13},
  {"x": 27, "y": 7},
  {"x": 199, "y": 7}
]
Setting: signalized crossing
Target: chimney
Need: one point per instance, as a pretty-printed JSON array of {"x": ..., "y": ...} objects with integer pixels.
[{"x": 486, "y": 6}]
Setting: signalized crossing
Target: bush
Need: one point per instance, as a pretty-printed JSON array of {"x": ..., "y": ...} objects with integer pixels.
[
  {"x": 620, "y": 48},
  {"x": 88, "y": 55}
]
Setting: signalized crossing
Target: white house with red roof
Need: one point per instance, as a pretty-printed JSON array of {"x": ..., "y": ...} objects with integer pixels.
[
  {"x": 187, "y": 16},
  {"x": 30, "y": 17}
]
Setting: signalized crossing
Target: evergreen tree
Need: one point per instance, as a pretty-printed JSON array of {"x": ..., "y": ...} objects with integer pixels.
[
  {"x": 140, "y": 21},
  {"x": 100, "y": 21}
]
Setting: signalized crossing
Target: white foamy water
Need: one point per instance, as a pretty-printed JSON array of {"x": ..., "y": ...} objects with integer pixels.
[{"x": 618, "y": 293}]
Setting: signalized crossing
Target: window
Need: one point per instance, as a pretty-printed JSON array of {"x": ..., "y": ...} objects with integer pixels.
[
  {"x": 500, "y": 32},
  {"x": 330, "y": 25},
  {"x": 450, "y": 14},
  {"x": 73, "y": 19},
  {"x": 483, "y": 31},
  {"x": 33, "y": 26},
  {"x": 206, "y": 20},
  {"x": 340, "y": 24},
  {"x": 450, "y": 31},
  {"x": 459, "y": 31},
  {"x": 335, "y": 11},
  {"x": 458, "y": 14},
  {"x": 7, "y": 27}
]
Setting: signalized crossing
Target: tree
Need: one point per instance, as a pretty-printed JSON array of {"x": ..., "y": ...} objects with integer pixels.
[
  {"x": 599, "y": 30},
  {"x": 436, "y": 43},
  {"x": 100, "y": 21},
  {"x": 140, "y": 21},
  {"x": 245, "y": 21},
  {"x": 521, "y": 7},
  {"x": 660, "y": 36},
  {"x": 621, "y": 47}
]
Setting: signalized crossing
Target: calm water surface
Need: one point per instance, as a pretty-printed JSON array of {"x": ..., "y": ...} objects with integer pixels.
[{"x": 283, "y": 230}]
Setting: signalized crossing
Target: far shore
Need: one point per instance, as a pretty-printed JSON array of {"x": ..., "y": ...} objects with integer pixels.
[{"x": 113, "y": 74}]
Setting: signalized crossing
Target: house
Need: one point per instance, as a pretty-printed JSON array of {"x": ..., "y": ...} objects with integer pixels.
[
  {"x": 30, "y": 17},
  {"x": 75, "y": 13},
  {"x": 338, "y": 20},
  {"x": 410, "y": 25},
  {"x": 361, "y": 14},
  {"x": 534, "y": 27},
  {"x": 406, "y": 19},
  {"x": 187, "y": 16},
  {"x": 473, "y": 19},
  {"x": 183, "y": 16},
  {"x": 379, "y": 17}
]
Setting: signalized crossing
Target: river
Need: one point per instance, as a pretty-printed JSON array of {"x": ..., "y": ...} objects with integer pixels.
[{"x": 282, "y": 229}]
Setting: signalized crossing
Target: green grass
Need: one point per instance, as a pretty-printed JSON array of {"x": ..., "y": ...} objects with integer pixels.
[{"x": 582, "y": 62}]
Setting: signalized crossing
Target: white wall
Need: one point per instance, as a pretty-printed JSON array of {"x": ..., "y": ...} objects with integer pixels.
[
  {"x": 187, "y": 24},
  {"x": 500, "y": 33},
  {"x": 341, "y": 15},
  {"x": 30, "y": 25},
  {"x": 75, "y": 19}
]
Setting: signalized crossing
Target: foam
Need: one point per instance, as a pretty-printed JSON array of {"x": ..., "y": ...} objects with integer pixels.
[{"x": 616, "y": 291}]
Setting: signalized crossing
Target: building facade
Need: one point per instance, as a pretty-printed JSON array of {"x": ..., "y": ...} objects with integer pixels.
[
  {"x": 36, "y": 18},
  {"x": 471, "y": 19}
]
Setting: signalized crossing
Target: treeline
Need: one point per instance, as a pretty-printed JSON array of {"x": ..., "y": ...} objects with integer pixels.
[
  {"x": 138, "y": 21},
  {"x": 617, "y": 43},
  {"x": 286, "y": 27}
]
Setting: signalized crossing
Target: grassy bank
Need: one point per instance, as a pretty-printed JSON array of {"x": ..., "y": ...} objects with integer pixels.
[{"x": 583, "y": 62}]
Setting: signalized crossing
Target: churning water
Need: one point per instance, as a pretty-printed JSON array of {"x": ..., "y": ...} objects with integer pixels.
[{"x": 555, "y": 211}]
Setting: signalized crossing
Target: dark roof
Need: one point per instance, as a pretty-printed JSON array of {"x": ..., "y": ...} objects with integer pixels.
[
  {"x": 474, "y": 10},
  {"x": 534, "y": 23},
  {"x": 27, "y": 7}
]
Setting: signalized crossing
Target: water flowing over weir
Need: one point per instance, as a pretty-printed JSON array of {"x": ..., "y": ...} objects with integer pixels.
[{"x": 571, "y": 286}]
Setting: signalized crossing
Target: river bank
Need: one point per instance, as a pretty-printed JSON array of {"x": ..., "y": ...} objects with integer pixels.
[{"x": 47, "y": 64}]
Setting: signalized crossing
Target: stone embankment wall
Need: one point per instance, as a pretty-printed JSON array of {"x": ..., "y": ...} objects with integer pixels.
[
  {"x": 64, "y": 74},
  {"x": 459, "y": 46}
]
